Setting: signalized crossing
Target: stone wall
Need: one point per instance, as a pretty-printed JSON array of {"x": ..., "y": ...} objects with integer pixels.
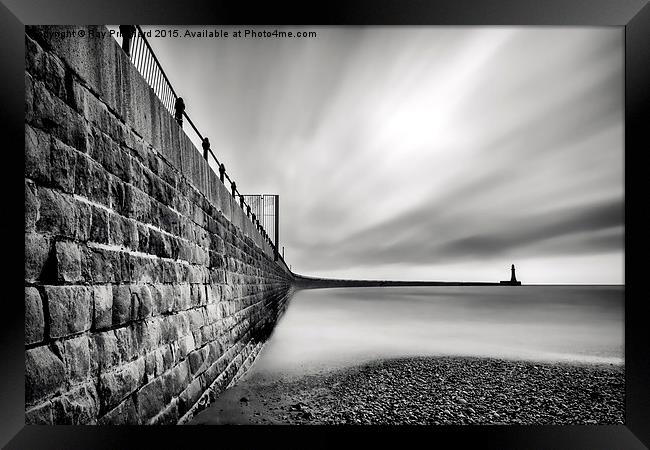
[{"x": 147, "y": 289}]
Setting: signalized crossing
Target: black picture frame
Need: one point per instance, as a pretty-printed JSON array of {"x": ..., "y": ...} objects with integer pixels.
[{"x": 633, "y": 15}]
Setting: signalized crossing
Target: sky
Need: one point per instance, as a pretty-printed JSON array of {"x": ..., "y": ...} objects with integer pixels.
[{"x": 422, "y": 153}]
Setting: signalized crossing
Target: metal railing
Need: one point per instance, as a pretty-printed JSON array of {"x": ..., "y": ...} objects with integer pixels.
[
  {"x": 265, "y": 207},
  {"x": 136, "y": 46}
]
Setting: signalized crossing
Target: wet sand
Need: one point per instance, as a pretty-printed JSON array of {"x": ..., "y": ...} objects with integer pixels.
[{"x": 429, "y": 391}]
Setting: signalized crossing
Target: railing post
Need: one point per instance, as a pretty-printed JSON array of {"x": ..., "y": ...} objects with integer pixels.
[
  {"x": 248, "y": 210},
  {"x": 233, "y": 187},
  {"x": 127, "y": 32},
  {"x": 206, "y": 147},
  {"x": 222, "y": 172},
  {"x": 241, "y": 201},
  {"x": 179, "y": 106}
]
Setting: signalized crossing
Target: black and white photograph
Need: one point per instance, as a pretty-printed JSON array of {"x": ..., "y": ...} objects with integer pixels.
[{"x": 324, "y": 225}]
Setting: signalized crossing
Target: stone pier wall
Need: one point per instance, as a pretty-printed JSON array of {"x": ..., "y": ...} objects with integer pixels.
[{"x": 147, "y": 289}]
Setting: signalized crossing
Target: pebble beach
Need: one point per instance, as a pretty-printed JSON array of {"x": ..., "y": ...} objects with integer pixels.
[{"x": 429, "y": 391}]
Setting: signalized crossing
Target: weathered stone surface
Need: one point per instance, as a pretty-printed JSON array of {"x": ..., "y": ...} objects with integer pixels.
[
  {"x": 105, "y": 352},
  {"x": 99, "y": 225},
  {"x": 63, "y": 163},
  {"x": 77, "y": 407},
  {"x": 176, "y": 379},
  {"x": 116, "y": 385},
  {"x": 123, "y": 414},
  {"x": 77, "y": 358},
  {"x": 151, "y": 399},
  {"x": 91, "y": 180},
  {"x": 182, "y": 297},
  {"x": 169, "y": 416},
  {"x": 190, "y": 396},
  {"x": 44, "y": 373},
  {"x": 143, "y": 301},
  {"x": 105, "y": 265},
  {"x": 198, "y": 360},
  {"x": 145, "y": 279},
  {"x": 103, "y": 306},
  {"x": 56, "y": 211},
  {"x": 122, "y": 304},
  {"x": 53, "y": 115},
  {"x": 123, "y": 232},
  {"x": 39, "y": 415},
  {"x": 70, "y": 309},
  {"x": 186, "y": 344},
  {"x": 68, "y": 262},
  {"x": 37, "y": 155},
  {"x": 32, "y": 206},
  {"x": 34, "y": 318},
  {"x": 126, "y": 344}
]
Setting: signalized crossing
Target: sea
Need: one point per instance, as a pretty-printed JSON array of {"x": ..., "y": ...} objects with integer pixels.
[{"x": 329, "y": 329}]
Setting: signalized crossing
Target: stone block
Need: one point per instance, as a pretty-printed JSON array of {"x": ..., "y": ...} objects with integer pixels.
[
  {"x": 105, "y": 266},
  {"x": 143, "y": 238},
  {"x": 168, "y": 416},
  {"x": 168, "y": 331},
  {"x": 68, "y": 262},
  {"x": 197, "y": 294},
  {"x": 146, "y": 335},
  {"x": 127, "y": 263},
  {"x": 196, "y": 318},
  {"x": 99, "y": 225},
  {"x": 82, "y": 220},
  {"x": 34, "y": 319},
  {"x": 44, "y": 374},
  {"x": 91, "y": 180},
  {"x": 32, "y": 206},
  {"x": 63, "y": 163},
  {"x": 79, "y": 406},
  {"x": 39, "y": 415},
  {"x": 151, "y": 399},
  {"x": 57, "y": 214},
  {"x": 116, "y": 385},
  {"x": 29, "y": 98},
  {"x": 37, "y": 155},
  {"x": 182, "y": 297},
  {"x": 102, "y": 306},
  {"x": 159, "y": 244},
  {"x": 123, "y": 308},
  {"x": 54, "y": 116},
  {"x": 123, "y": 414},
  {"x": 45, "y": 67},
  {"x": 123, "y": 232},
  {"x": 126, "y": 344},
  {"x": 142, "y": 301},
  {"x": 198, "y": 360},
  {"x": 70, "y": 309},
  {"x": 153, "y": 364},
  {"x": 177, "y": 379},
  {"x": 167, "y": 356},
  {"x": 104, "y": 351},
  {"x": 77, "y": 358},
  {"x": 186, "y": 345},
  {"x": 190, "y": 396}
]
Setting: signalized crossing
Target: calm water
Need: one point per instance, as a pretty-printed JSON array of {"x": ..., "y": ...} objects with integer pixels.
[{"x": 327, "y": 328}]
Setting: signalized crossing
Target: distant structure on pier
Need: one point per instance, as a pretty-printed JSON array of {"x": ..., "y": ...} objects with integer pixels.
[{"x": 513, "y": 279}]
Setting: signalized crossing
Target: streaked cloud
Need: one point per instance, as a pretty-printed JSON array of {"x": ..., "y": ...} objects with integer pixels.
[{"x": 445, "y": 151}]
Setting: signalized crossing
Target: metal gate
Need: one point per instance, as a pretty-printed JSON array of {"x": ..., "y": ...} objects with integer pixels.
[{"x": 266, "y": 208}]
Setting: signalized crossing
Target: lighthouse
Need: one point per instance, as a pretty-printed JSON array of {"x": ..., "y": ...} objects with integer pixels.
[{"x": 513, "y": 278}]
